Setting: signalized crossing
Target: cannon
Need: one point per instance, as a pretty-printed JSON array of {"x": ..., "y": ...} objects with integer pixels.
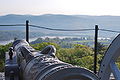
[
  {"x": 30, "y": 64},
  {"x": 25, "y": 63}
]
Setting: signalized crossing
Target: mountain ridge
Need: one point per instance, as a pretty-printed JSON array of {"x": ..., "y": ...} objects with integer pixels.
[
  {"x": 60, "y": 21},
  {"x": 63, "y": 21}
]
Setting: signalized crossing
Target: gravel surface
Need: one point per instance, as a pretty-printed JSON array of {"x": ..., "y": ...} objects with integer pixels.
[{"x": 2, "y": 76}]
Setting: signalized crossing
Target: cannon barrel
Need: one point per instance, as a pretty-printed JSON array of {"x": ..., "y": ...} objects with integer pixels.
[{"x": 44, "y": 65}]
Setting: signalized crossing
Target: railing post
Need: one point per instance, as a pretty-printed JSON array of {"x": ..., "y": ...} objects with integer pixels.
[
  {"x": 27, "y": 31},
  {"x": 96, "y": 48}
]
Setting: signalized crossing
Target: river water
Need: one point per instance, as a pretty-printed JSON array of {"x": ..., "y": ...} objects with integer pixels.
[
  {"x": 7, "y": 42},
  {"x": 33, "y": 39}
]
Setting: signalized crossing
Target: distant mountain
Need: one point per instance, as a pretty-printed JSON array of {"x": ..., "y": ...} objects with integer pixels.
[
  {"x": 61, "y": 21},
  {"x": 64, "y": 21}
]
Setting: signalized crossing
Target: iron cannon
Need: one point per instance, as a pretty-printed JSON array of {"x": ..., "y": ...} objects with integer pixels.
[{"x": 30, "y": 64}]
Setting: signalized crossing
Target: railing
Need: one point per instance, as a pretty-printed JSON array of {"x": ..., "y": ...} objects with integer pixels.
[{"x": 95, "y": 40}]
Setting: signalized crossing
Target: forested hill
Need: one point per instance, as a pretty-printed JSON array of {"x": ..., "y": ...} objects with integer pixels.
[
  {"x": 64, "y": 21},
  {"x": 10, "y": 35},
  {"x": 57, "y": 21}
]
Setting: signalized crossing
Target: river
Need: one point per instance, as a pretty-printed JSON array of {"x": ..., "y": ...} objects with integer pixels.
[
  {"x": 33, "y": 39},
  {"x": 7, "y": 42}
]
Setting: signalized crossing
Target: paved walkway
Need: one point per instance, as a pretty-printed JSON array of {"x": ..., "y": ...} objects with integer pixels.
[{"x": 2, "y": 76}]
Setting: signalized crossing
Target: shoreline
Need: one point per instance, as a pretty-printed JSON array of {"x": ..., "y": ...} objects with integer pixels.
[
  {"x": 33, "y": 39},
  {"x": 9, "y": 41}
]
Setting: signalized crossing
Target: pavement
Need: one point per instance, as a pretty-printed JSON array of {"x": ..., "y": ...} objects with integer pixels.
[{"x": 2, "y": 77}]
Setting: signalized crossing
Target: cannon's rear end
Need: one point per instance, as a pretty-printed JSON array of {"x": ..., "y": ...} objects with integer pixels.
[{"x": 44, "y": 65}]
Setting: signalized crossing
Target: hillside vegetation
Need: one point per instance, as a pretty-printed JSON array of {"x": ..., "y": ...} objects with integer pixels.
[{"x": 79, "y": 55}]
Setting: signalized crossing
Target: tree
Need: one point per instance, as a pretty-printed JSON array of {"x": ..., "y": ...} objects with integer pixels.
[
  {"x": 40, "y": 46},
  {"x": 3, "y": 50},
  {"x": 101, "y": 48},
  {"x": 79, "y": 55}
]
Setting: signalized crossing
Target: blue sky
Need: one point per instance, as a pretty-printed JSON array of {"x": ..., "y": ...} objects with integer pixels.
[{"x": 76, "y": 7}]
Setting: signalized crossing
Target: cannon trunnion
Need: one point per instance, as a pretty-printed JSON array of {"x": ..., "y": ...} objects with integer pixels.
[{"x": 44, "y": 65}]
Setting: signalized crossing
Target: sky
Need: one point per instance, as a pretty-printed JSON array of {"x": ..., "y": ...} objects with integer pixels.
[{"x": 69, "y": 7}]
